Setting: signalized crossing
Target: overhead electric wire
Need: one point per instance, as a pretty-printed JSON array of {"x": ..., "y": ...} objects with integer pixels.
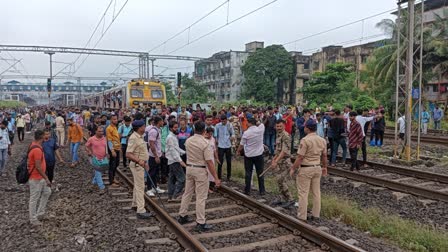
[
  {"x": 338, "y": 27},
  {"x": 222, "y": 26},
  {"x": 114, "y": 17}
]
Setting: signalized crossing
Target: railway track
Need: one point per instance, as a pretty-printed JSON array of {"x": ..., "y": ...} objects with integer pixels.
[
  {"x": 423, "y": 138},
  {"x": 425, "y": 184},
  {"x": 430, "y": 131},
  {"x": 241, "y": 224}
]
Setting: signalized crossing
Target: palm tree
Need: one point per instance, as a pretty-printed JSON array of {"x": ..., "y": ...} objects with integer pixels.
[{"x": 437, "y": 56}]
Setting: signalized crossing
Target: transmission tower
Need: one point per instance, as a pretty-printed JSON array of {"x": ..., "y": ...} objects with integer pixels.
[{"x": 408, "y": 93}]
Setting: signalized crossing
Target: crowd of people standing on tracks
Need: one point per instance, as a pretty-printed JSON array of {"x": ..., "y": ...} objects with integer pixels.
[{"x": 179, "y": 146}]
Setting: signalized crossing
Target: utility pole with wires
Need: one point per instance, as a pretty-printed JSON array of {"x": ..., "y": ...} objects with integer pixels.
[{"x": 408, "y": 92}]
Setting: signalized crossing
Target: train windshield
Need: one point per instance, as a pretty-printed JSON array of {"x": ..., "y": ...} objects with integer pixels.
[
  {"x": 136, "y": 93},
  {"x": 157, "y": 94}
]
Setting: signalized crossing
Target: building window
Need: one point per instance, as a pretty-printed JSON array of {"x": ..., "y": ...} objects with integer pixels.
[{"x": 228, "y": 97}]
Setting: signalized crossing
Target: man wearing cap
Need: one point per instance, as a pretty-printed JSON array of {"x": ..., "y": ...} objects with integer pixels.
[
  {"x": 224, "y": 134},
  {"x": 281, "y": 162},
  {"x": 312, "y": 152},
  {"x": 137, "y": 153},
  {"x": 199, "y": 159}
]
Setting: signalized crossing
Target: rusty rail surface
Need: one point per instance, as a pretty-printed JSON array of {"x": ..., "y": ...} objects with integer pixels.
[{"x": 326, "y": 241}]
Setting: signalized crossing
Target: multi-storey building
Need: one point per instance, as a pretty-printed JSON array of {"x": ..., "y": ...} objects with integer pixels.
[{"x": 222, "y": 74}]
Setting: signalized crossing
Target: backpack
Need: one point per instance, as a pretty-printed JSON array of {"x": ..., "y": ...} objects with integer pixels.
[{"x": 22, "y": 174}]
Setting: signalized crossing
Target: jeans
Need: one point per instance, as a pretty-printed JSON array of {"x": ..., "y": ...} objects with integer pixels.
[
  {"x": 21, "y": 133},
  {"x": 228, "y": 153},
  {"x": 114, "y": 162},
  {"x": 436, "y": 125},
  {"x": 176, "y": 180},
  {"x": 164, "y": 170},
  {"x": 3, "y": 159},
  {"x": 50, "y": 172},
  {"x": 11, "y": 137},
  {"x": 354, "y": 157},
  {"x": 336, "y": 143},
  {"x": 269, "y": 141},
  {"x": 154, "y": 170},
  {"x": 74, "y": 151},
  {"x": 39, "y": 192},
  {"x": 124, "y": 147},
  {"x": 379, "y": 136},
  {"x": 249, "y": 162},
  {"x": 98, "y": 179}
]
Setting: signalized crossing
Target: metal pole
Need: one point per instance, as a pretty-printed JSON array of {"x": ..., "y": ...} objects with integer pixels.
[
  {"x": 152, "y": 67},
  {"x": 398, "y": 80},
  {"x": 409, "y": 79},
  {"x": 420, "y": 80}
]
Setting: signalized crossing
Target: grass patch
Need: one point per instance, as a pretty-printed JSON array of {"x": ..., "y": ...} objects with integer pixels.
[
  {"x": 407, "y": 234},
  {"x": 11, "y": 104}
]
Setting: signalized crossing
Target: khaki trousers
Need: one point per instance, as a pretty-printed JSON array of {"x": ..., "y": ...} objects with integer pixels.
[
  {"x": 196, "y": 182},
  {"x": 60, "y": 134},
  {"x": 308, "y": 177},
  {"x": 138, "y": 194},
  {"x": 39, "y": 193}
]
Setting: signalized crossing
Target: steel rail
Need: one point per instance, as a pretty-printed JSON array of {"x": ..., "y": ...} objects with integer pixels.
[
  {"x": 185, "y": 238},
  {"x": 410, "y": 172},
  {"x": 326, "y": 241},
  {"x": 405, "y": 171},
  {"x": 426, "y": 139},
  {"x": 411, "y": 189}
]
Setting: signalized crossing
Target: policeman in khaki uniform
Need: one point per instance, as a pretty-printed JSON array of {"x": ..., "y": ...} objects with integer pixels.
[
  {"x": 281, "y": 162},
  {"x": 199, "y": 159},
  {"x": 137, "y": 153},
  {"x": 312, "y": 153}
]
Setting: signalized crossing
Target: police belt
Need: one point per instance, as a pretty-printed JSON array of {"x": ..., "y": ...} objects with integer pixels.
[
  {"x": 196, "y": 166},
  {"x": 312, "y": 165}
]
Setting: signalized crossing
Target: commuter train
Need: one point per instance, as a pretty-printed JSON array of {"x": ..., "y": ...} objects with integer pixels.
[{"x": 134, "y": 94}]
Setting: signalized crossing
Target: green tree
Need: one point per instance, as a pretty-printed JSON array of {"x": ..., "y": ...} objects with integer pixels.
[
  {"x": 334, "y": 85},
  {"x": 193, "y": 92},
  {"x": 262, "y": 71},
  {"x": 364, "y": 101}
]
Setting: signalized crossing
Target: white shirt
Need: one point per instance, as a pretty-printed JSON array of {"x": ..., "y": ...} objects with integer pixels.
[
  {"x": 172, "y": 150},
  {"x": 362, "y": 120},
  {"x": 252, "y": 140},
  {"x": 402, "y": 124}
]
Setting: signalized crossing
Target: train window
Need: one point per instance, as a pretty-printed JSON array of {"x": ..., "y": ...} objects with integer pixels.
[
  {"x": 136, "y": 93},
  {"x": 157, "y": 94}
]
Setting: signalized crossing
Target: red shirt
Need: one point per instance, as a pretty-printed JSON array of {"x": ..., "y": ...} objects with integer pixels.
[
  {"x": 36, "y": 154},
  {"x": 288, "y": 123}
]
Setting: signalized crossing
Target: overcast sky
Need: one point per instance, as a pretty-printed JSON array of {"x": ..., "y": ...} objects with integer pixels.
[{"x": 144, "y": 24}]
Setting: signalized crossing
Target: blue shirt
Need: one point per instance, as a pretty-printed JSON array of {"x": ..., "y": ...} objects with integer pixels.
[
  {"x": 12, "y": 125},
  {"x": 183, "y": 135},
  {"x": 223, "y": 134},
  {"x": 50, "y": 147},
  {"x": 124, "y": 132},
  {"x": 425, "y": 117},
  {"x": 437, "y": 114}
]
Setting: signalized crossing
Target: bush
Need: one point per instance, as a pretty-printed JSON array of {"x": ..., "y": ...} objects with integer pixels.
[{"x": 11, "y": 104}]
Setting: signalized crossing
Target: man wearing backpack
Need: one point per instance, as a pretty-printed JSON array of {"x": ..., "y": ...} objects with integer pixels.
[
  {"x": 224, "y": 134},
  {"x": 40, "y": 185},
  {"x": 155, "y": 153},
  {"x": 5, "y": 146}
]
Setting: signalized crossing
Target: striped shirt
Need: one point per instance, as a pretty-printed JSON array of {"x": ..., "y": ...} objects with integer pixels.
[{"x": 355, "y": 136}]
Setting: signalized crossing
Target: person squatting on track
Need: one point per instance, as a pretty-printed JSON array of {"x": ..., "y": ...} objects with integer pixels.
[
  {"x": 176, "y": 179},
  {"x": 40, "y": 185},
  {"x": 199, "y": 159},
  {"x": 137, "y": 153},
  {"x": 96, "y": 148},
  {"x": 312, "y": 164}
]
